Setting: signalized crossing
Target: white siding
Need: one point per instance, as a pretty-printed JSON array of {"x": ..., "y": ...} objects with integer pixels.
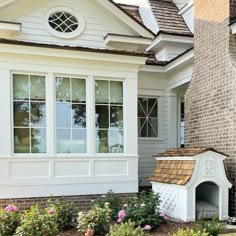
[
  {"x": 153, "y": 84},
  {"x": 98, "y": 22}
]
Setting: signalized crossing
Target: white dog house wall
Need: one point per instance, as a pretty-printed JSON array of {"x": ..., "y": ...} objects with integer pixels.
[{"x": 192, "y": 183}]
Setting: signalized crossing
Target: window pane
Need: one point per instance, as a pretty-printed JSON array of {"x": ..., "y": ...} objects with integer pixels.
[
  {"x": 152, "y": 127},
  {"x": 79, "y": 144},
  {"x": 78, "y": 90},
  {"x": 63, "y": 141},
  {"x": 20, "y": 87},
  {"x": 38, "y": 114},
  {"x": 115, "y": 140},
  {"x": 63, "y": 89},
  {"x": 21, "y": 114},
  {"x": 152, "y": 107},
  {"x": 142, "y": 112},
  {"x": 38, "y": 141},
  {"x": 102, "y": 141},
  {"x": 116, "y": 113},
  {"x": 142, "y": 127},
  {"x": 21, "y": 140},
  {"x": 78, "y": 116},
  {"x": 116, "y": 92},
  {"x": 102, "y": 91},
  {"x": 102, "y": 116},
  {"x": 63, "y": 115},
  {"x": 37, "y": 87}
]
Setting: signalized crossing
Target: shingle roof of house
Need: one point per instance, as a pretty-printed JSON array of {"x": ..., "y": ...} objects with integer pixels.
[
  {"x": 168, "y": 19},
  {"x": 173, "y": 172},
  {"x": 131, "y": 10}
]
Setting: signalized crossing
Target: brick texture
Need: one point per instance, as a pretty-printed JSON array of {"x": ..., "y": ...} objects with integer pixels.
[
  {"x": 83, "y": 202},
  {"x": 211, "y": 97}
]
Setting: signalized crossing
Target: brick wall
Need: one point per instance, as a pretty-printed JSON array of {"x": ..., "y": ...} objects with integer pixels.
[
  {"x": 211, "y": 97},
  {"x": 83, "y": 202}
]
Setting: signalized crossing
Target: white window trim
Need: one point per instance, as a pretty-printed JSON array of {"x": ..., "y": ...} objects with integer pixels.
[{"x": 80, "y": 18}]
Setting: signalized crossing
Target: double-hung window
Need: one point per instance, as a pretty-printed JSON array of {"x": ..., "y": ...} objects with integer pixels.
[
  {"x": 29, "y": 113},
  {"x": 148, "y": 117},
  {"x": 71, "y": 134},
  {"x": 109, "y": 116}
]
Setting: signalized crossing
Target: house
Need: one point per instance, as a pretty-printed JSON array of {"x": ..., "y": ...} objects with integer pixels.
[{"x": 90, "y": 89}]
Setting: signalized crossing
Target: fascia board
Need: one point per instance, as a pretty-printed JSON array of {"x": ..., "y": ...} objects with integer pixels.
[
  {"x": 126, "y": 39},
  {"x": 126, "y": 19},
  {"x": 59, "y": 53}
]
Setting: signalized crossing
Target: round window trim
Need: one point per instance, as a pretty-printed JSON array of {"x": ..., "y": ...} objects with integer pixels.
[{"x": 66, "y": 13}]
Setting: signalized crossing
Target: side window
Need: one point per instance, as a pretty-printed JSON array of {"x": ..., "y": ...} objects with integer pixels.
[
  {"x": 147, "y": 117},
  {"x": 71, "y": 133},
  {"x": 109, "y": 116},
  {"x": 29, "y": 113}
]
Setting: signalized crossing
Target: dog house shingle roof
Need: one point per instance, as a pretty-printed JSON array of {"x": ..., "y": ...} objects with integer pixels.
[{"x": 173, "y": 172}]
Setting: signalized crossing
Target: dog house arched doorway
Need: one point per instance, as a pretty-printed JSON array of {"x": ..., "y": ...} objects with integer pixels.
[{"x": 207, "y": 200}]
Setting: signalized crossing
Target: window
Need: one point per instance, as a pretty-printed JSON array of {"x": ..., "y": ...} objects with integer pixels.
[
  {"x": 29, "y": 113},
  {"x": 148, "y": 117},
  {"x": 109, "y": 116},
  {"x": 71, "y": 115}
]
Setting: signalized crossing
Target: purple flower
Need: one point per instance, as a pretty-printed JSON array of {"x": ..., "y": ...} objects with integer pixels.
[
  {"x": 10, "y": 208},
  {"x": 163, "y": 216},
  {"x": 122, "y": 214},
  {"x": 119, "y": 220},
  {"x": 147, "y": 227},
  {"x": 51, "y": 211}
]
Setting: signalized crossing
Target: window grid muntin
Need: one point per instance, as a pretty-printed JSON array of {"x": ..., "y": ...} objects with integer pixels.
[
  {"x": 109, "y": 105},
  {"x": 71, "y": 128},
  {"x": 147, "y": 117},
  {"x": 29, "y": 101}
]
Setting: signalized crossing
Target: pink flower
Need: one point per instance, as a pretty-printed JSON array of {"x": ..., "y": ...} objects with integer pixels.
[
  {"x": 122, "y": 214},
  {"x": 89, "y": 232},
  {"x": 119, "y": 220},
  {"x": 10, "y": 208},
  {"x": 51, "y": 211},
  {"x": 163, "y": 216},
  {"x": 147, "y": 227}
]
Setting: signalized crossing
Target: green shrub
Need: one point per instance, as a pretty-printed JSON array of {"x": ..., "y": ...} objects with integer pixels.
[
  {"x": 126, "y": 229},
  {"x": 143, "y": 210},
  {"x": 114, "y": 200},
  {"x": 37, "y": 223},
  {"x": 213, "y": 227},
  {"x": 190, "y": 232},
  {"x": 9, "y": 220},
  {"x": 97, "y": 219},
  {"x": 66, "y": 213}
]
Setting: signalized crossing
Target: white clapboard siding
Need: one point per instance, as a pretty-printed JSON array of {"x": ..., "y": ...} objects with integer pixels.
[
  {"x": 151, "y": 84},
  {"x": 98, "y": 22}
]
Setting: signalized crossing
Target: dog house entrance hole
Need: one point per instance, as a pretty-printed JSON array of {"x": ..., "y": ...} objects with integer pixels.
[{"x": 207, "y": 200}]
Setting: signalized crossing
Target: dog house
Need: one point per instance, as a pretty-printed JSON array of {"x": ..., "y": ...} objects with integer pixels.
[{"x": 192, "y": 183}]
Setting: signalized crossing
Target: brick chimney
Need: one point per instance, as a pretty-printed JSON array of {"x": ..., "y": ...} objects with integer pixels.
[{"x": 210, "y": 113}]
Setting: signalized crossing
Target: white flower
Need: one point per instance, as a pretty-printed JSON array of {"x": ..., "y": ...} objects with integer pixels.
[
  {"x": 142, "y": 205},
  {"x": 125, "y": 205}
]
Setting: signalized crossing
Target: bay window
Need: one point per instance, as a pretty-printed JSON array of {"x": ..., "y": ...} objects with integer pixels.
[
  {"x": 109, "y": 116},
  {"x": 29, "y": 113},
  {"x": 71, "y": 115}
]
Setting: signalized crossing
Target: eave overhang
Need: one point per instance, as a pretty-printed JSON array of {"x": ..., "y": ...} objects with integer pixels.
[{"x": 8, "y": 26}]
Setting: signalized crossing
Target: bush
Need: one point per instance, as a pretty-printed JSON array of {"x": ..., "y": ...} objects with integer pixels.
[
  {"x": 213, "y": 227},
  {"x": 36, "y": 223},
  {"x": 114, "y": 201},
  {"x": 96, "y": 220},
  {"x": 143, "y": 210},
  {"x": 190, "y": 232},
  {"x": 9, "y": 220},
  {"x": 66, "y": 213},
  {"x": 126, "y": 229}
]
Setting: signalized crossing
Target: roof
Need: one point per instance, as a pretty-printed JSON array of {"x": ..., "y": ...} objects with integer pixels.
[
  {"x": 74, "y": 48},
  {"x": 132, "y": 10},
  {"x": 173, "y": 172},
  {"x": 152, "y": 61},
  {"x": 168, "y": 19},
  {"x": 185, "y": 152}
]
